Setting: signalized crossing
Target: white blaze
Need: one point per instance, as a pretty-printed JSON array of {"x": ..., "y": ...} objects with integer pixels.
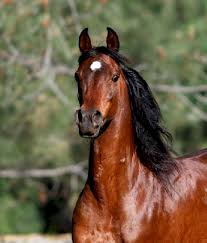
[{"x": 95, "y": 65}]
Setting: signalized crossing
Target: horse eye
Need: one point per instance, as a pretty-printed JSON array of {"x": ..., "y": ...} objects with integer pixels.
[
  {"x": 77, "y": 78},
  {"x": 80, "y": 95},
  {"x": 115, "y": 77}
]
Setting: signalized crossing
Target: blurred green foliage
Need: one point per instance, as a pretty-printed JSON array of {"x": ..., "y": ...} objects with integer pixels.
[{"x": 165, "y": 40}]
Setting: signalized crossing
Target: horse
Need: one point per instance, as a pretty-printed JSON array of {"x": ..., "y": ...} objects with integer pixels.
[{"x": 136, "y": 189}]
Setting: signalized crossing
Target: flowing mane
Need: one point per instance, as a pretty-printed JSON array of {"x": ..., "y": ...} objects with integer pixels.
[{"x": 151, "y": 137}]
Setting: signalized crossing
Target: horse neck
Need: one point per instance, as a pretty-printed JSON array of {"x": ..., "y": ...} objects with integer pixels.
[{"x": 113, "y": 159}]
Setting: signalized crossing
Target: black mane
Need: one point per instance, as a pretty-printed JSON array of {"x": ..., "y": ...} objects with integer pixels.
[{"x": 150, "y": 137}]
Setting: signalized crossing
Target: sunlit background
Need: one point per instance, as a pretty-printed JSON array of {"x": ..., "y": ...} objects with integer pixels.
[{"x": 43, "y": 162}]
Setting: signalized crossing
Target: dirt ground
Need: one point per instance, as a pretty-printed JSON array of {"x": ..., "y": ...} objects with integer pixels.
[{"x": 35, "y": 238}]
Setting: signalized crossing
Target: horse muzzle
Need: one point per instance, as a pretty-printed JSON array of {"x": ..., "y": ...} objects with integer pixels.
[{"x": 89, "y": 122}]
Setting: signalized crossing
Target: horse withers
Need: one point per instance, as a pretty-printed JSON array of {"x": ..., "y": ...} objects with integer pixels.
[{"x": 135, "y": 190}]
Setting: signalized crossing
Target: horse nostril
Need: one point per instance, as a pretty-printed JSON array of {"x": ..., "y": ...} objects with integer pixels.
[
  {"x": 78, "y": 116},
  {"x": 88, "y": 119},
  {"x": 97, "y": 118}
]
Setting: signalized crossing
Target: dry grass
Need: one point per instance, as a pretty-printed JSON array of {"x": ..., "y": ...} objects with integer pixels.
[{"x": 36, "y": 238}]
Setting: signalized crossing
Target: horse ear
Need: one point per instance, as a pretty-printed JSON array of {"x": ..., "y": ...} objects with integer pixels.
[
  {"x": 84, "y": 41},
  {"x": 112, "y": 40}
]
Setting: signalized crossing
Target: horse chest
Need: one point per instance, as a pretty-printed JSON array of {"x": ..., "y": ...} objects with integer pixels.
[
  {"x": 97, "y": 227},
  {"x": 99, "y": 237}
]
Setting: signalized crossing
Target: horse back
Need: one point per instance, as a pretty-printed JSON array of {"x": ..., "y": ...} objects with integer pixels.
[
  {"x": 200, "y": 156},
  {"x": 193, "y": 169}
]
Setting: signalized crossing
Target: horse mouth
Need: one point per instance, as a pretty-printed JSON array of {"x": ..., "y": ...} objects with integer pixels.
[
  {"x": 89, "y": 134},
  {"x": 95, "y": 132}
]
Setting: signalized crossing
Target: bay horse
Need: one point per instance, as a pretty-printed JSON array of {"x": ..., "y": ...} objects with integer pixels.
[{"x": 136, "y": 191}]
